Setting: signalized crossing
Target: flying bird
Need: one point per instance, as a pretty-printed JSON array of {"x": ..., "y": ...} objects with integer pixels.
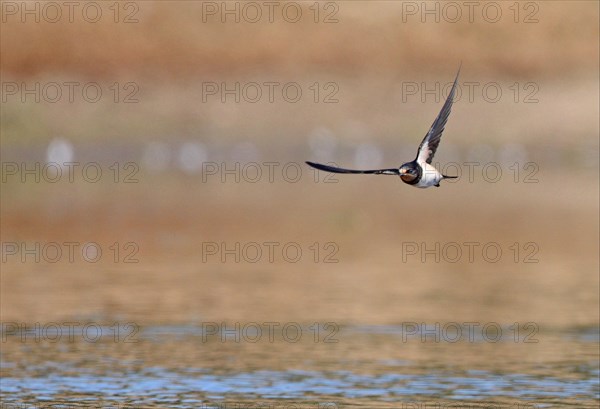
[{"x": 419, "y": 172}]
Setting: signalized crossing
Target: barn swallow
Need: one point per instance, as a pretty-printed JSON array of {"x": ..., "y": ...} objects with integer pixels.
[{"x": 419, "y": 172}]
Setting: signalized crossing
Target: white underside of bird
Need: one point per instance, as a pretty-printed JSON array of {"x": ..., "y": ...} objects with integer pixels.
[{"x": 431, "y": 176}]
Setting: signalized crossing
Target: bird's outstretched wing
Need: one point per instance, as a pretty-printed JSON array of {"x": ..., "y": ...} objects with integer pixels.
[
  {"x": 341, "y": 170},
  {"x": 431, "y": 141}
]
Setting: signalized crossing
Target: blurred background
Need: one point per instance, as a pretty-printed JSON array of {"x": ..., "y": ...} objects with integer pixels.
[{"x": 164, "y": 143}]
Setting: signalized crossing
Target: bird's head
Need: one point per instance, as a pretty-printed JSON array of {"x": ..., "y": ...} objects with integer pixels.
[{"x": 408, "y": 172}]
